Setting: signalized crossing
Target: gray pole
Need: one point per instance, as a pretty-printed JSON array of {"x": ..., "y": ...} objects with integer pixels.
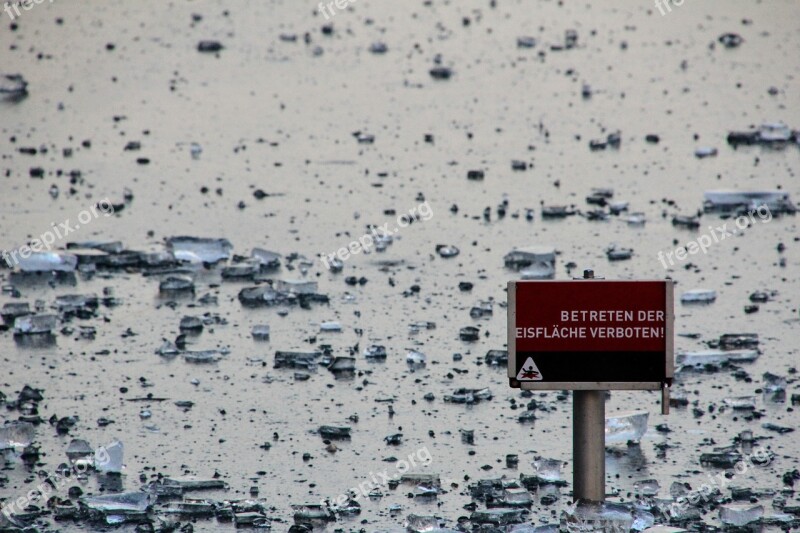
[
  {"x": 588, "y": 441},
  {"x": 588, "y": 445}
]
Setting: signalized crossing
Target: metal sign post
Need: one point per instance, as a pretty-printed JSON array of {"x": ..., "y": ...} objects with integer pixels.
[
  {"x": 590, "y": 336},
  {"x": 588, "y": 441}
]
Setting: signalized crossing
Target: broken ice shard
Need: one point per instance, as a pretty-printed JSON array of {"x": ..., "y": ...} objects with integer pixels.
[
  {"x": 79, "y": 452},
  {"x": 13, "y": 86},
  {"x": 34, "y": 324},
  {"x": 109, "y": 458},
  {"x": 304, "y": 513},
  {"x": 375, "y": 351},
  {"x": 773, "y": 382},
  {"x": 16, "y": 434},
  {"x": 705, "y": 151},
  {"x": 730, "y": 341},
  {"x": 741, "y": 403},
  {"x": 421, "y": 524},
  {"x": 296, "y": 359},
  {"x": 266, "y": 259},
  {"x": 611, "y": 517},
  {"x": 646, "y": 487},
  {"x": 126, "y": 502},
  {"x": 726, "y": 201},
  {"x": 715, "y": 357},
  {"x": 499, "y": 517},
  {"x": 740, "y": 514},
  {"x": 413, "y": 357},
  {"x": 721, "y": 459},
  {"x": 260, "y": 332},
  {"x": 496, "y": 357},
  {"x": 296, "y": 286},
  {"x": 446, "y": 250},
  {"x": 334, "y": 432},
  {"x": 199, "y": 250},
  {"x": 548, "y": 470},
  {"x": 48, "y": 262},
  {"x": 330, "y": 327},
  {"x": 617, "y": 253},
  {"x": 698, "y": 296},
  {"x": 342, "y": 364},
  {"x": 536, "y": 262},
  {"x": 176, "y": 284},
  {"x": 203, "y": 356},
  {"x": 12, "y": 310},
  {"x": 626, "y": 427},
  {"x": 191, "y": 323},
  {"x": 193, "y": 483},
  {"x": 468, "y": 396}
]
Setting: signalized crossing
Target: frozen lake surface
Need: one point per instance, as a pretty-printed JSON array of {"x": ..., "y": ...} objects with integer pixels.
[{"x": 502, "y": 125}]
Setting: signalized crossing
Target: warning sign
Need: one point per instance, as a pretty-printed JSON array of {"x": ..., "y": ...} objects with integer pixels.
[
  {"x": 529, "y": 371},
  {"x": 590, "y": 334}
]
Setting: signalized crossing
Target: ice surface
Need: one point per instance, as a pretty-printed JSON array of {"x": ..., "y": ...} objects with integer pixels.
[
  {"x": 34, "y": 324},
  {"x": 627, "y": 426},
  {"x": 199, "y": 250},
  {"x": 16, "y": 434},
  {"x": 126, "y": 502},
  {"x": 48, "y": 262},
  {"x": 740, "y": 514}
]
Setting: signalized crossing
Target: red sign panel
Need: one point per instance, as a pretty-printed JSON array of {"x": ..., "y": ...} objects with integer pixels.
[{"x": 597, "y": 333}]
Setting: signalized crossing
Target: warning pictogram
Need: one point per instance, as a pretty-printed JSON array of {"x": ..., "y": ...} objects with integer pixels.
[{"x": 529, "y": 371}]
